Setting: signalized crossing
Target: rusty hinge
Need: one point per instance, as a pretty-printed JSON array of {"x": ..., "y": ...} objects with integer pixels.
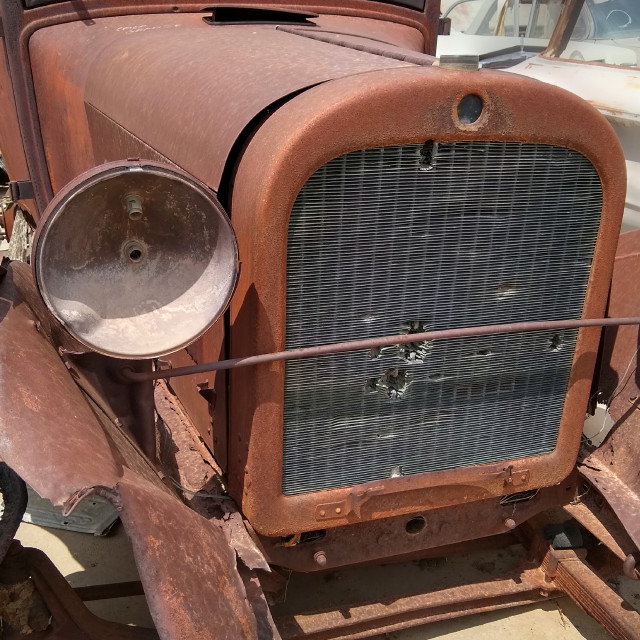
[
  {"x": 444, "y": 26},
  {"x": 21, "y": 190}
]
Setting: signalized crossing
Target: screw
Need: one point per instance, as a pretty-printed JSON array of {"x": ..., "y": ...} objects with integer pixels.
[
  {"x": 320, "y": 558},
  {"x": 510, "y": 523}
]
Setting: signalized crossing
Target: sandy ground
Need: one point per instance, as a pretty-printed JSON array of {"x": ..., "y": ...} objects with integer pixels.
[{"x": 85, "y": 559}]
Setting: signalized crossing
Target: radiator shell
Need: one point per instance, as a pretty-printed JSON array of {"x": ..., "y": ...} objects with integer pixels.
[{"x": 396, "y": 107}]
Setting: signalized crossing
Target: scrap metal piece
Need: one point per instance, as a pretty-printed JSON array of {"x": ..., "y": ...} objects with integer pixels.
[
  {"x": 92, "y": 515},
  {"x": 623, "y": 499}
]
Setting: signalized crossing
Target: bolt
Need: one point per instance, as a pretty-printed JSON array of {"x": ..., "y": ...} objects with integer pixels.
[
  {"x": 510, "y": 523},
  {"x": 323, "y": 513},
  {"x": 320, "y": 558},
  {"x": 338, "y": 510}
]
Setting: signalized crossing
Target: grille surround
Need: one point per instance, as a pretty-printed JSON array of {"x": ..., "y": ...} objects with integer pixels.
[{"x": 312, "y": 463}]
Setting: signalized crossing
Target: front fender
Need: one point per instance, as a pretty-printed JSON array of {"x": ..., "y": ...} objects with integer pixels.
[{"x": 52, "y": 438}]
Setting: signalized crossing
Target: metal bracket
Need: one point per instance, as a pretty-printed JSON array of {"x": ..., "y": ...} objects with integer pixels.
[
  {"x": 444, "y": 26},
  {"x": 21, "y": 190},
  {"x": 514, "y": 477},
  {"x": 351, "y": 506}
]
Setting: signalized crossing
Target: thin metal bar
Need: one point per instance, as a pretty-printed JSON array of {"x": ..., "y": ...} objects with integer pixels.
[
  {"x": 110, "y": 590},
  {"x": 371, "y": 343}
]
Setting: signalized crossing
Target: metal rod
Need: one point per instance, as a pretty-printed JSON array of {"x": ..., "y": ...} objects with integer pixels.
[
  {"x": 110, "y": 590},
  {"x": 371, "y": 343}
]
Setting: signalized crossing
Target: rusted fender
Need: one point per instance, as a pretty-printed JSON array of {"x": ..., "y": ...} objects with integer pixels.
[{"x": 50, "y": 436}]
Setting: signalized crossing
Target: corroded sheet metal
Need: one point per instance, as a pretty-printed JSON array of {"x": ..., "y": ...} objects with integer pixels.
[
  {"x": 201, "y": 600},
  {"x": 51, "y": 437},
  {"x": 37, "y": 390},
  {"x": 229, "y": 73}
]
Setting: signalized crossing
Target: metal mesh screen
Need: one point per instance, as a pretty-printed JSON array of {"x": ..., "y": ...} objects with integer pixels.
[{"x": 419, "y": 237}]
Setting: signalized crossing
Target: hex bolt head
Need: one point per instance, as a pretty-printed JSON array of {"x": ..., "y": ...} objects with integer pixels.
[{"x": 320, "y": 558}]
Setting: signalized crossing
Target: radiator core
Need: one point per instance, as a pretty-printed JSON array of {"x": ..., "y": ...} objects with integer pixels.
[{"x": 420, "y": 237}]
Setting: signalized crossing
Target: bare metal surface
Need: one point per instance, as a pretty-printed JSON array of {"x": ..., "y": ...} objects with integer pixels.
[
  {"x": 135, "y": 283},
  {"x": 370, "y": 343}
]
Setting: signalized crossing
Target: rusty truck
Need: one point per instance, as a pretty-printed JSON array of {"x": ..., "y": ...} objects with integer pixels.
[{"x": 300, "y": 298}]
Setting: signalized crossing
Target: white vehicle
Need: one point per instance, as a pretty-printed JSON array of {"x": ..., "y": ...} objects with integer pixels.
[
  {"x": 504, "y": 32},
  {"x": 593, "y": 51}
]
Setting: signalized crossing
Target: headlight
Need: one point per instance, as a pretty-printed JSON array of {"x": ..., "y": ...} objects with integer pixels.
[{"x": 136, "y": 259}]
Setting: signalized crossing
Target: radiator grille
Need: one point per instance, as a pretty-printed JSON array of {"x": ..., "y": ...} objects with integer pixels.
[{"x": 419, "y": 237}]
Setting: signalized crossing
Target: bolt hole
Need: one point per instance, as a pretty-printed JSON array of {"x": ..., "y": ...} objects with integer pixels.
[
  {"x": 135, "y": 255},
  {"x": 415, "y": 525},
  {"x": 470, "y": 109}
]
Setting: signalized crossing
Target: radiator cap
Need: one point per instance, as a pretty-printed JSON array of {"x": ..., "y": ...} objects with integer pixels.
[{"x": 135, "y": 258}]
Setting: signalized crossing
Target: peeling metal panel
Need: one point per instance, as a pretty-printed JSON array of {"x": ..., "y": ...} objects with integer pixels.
[{"x": 411, "y": 238}]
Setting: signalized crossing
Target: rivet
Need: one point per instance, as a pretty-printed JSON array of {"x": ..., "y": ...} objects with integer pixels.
[
  {"x": 510, "y": 523},
  {"x": 338, "y": 510},
  {"x": 323, "y": 513}
]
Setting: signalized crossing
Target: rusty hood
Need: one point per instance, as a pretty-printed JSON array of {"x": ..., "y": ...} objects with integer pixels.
[{"x": 186, "y": 88}]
